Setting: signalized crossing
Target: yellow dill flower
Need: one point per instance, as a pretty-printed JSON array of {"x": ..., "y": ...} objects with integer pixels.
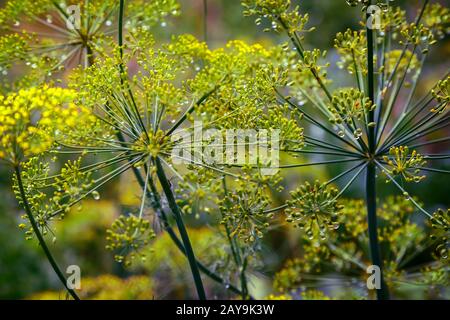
[
  {"x": 31, "y": 119},
  {"x": 404, "y": 164}
]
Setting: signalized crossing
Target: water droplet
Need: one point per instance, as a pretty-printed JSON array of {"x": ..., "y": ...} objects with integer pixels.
[
  {"x": 341, "y": 134},
  {"x": 357, "y": 133},
  {"x": 16, "y": 24},
  {"x": 49, "y": 19},
  {"x": 95, "y": 195},
  {"x": 108, "y": 23},
  {"x": 163, "y": 24}
]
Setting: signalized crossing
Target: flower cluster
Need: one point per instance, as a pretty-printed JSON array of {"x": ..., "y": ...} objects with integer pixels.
[
  {"x": 243, "y": 211},
  {"x": 51, "y": 197},
  {"x": 129, "y": 235},
  {"x": 353, "y": 52},
  {"x": 279, "y": 13},
  {"x": 31, "y": 120},
  {"x": 314, "y": 207},
  {"x": 440, "y": 223},
  {"x": 198, "y": 190},
  {"x": 405, "y": 164},
  {"x": 442, "y": 95},
  {"x": 436, "y": 17},
  {"x": 349, "y": 105}
]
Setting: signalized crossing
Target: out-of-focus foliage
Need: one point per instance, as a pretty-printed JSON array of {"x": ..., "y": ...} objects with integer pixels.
[
  {"x": 411, "y": 261},
  {"x": 107, "y": 287}
]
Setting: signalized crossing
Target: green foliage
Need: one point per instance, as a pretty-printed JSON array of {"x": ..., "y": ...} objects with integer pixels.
[{"x": 107, "y": 287}]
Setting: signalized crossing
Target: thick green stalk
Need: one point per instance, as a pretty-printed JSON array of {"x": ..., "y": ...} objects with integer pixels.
[
  {"x": 371, "y": 202},
  {"x": 371, "y": 195},
  {"x": 205, "y": 21},
  {"x": 39, "y": 235},
  {"x": 153, "y": 194},
  {"x": 181, "y": 228}
]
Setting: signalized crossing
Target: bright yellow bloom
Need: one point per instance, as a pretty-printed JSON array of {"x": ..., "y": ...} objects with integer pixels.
[{"x": 31, "y": 120}]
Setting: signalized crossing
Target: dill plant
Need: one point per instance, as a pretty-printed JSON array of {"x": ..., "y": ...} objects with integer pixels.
[{"x": 126, "y": 121}]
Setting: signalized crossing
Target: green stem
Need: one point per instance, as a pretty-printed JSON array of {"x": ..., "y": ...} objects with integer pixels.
[
  {"x": 181, "y": 228},
  {"x": 382, "y": 293},
  {"x": 371, "y": 201},
  {"x": 205, "y": 21},
  {"x": 39, "y": 235}
]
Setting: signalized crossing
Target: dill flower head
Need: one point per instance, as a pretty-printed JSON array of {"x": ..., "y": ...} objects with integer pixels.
[
  {"x": 349, "y": 105},
  {"x": 31, "y": 120},
  {"x": 440, "y": 224},
  {"x": 436, "y": 17},
  {"x": 279, "y": 13},
  {"x": 152, "y": 144},
  {"x": 50, "y": 197},
  {"x": 129, "y": 235},
  {"x": 405, "y": 164},
  {"x": 351, "y": 48},
  {"x": 314, "y": 207},
  {"x": 441, "y": 93},
  {"x": 243, "y": 211},
  {"x": 198, "y": 190}
]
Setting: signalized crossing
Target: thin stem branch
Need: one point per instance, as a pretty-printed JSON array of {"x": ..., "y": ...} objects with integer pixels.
[
  {"x": 38, "y": 234},
  {"x": 165, "y": 184}
]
